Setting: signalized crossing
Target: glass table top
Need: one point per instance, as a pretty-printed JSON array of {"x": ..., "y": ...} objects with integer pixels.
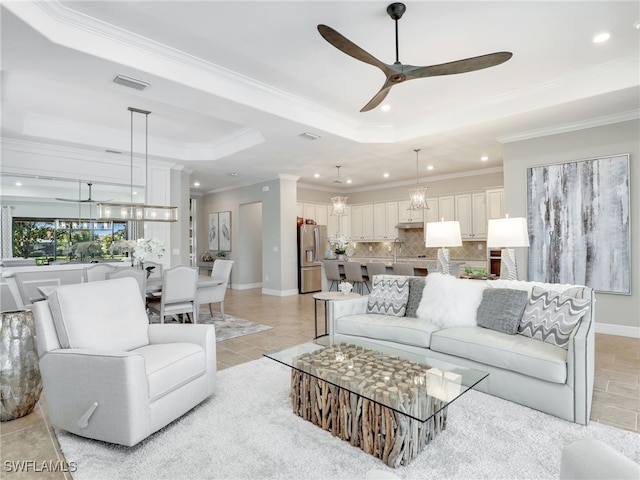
[{"x": 407, "y": 382}]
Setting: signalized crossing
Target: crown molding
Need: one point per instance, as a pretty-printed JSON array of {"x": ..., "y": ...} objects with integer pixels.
[{"x": 572, "y": 127}]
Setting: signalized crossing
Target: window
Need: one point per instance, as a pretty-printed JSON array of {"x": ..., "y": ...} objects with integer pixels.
[{"x": 49, "y": 240}]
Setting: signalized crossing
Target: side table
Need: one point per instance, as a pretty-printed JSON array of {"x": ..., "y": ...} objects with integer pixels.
[{"x": 328, "y": 297}]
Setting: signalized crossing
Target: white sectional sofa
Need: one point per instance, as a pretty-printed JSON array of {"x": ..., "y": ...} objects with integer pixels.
[{"x": 553, "y": 378}]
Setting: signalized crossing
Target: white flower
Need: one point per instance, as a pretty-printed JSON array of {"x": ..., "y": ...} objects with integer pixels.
[
  {"x": 145, "y": 249},
  {"x": 340, "y": 241}
]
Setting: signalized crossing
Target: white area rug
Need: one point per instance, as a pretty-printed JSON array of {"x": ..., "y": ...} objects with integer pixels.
[
  {"x": 229, "y": 327},
  {"x": 248, "y": 431}
]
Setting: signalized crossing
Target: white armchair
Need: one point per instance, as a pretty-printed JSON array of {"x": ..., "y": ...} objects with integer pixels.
[
  {"x": 107, "y": 373},
  {"x": 221, "y": 271}
]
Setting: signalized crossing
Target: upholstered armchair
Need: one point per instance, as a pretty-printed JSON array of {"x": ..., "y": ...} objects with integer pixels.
[
  {"x": 107, "y": 373},
  {"x": 221, "y": 271}
]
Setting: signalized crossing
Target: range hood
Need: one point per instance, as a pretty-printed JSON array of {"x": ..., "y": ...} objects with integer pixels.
[{"x": 408, "y": 225}]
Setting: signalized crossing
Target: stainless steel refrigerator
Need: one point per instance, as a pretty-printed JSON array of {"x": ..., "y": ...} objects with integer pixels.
[{"x": 312, "y": 240}]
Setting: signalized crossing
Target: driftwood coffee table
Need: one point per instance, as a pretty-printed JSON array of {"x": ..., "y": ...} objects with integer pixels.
[{"x": 389, "y": 403}]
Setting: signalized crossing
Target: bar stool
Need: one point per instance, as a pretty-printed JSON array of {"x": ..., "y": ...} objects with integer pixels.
[
  {"x": 332, "y": 272},
  {"x": 403, "y": 269},
  {"x": 375, "y": 269},
  {"x": 353, "y": 274}
]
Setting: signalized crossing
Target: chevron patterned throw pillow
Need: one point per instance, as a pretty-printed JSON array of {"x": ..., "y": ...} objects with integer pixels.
[
  {"x": 551, "y": 316},
  {"x": 389, "y": 297}
]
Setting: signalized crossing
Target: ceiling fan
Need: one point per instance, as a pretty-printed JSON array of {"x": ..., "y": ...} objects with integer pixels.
[
  {"x": 86, "y": 200},
  {"x": 398, "y": 73}
]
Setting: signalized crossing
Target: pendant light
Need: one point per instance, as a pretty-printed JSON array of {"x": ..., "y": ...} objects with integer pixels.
[
  {"x": 339, "y": 203},
  {"x": 418, "y": 194},
  {"x": 138, "y": 211}
]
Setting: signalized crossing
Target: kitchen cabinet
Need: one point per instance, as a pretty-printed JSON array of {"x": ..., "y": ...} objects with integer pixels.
[
  {"x": 309, "y": 211},
  {"x": 495, "y": 203},
  {"x": 446, "y": 208},
  {"x": 322, "y": 214},
  {"x": 362, "y": 222},
  {"x": 471, "y": 212},
  {"x": 431, "y": 215},
  {"x": 385, "y": 219},
  {"x": 338, "y": 225},
  {"x": 405, "y": 215}
]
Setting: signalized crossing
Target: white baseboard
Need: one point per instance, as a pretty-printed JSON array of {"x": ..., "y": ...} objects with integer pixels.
[
  {"x": 279, "y": 293},
  {"x": 620, "y": 330},
  {"x": 246, "y": 286}
]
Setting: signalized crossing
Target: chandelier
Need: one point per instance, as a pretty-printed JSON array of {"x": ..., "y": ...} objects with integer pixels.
[
  {"x": 418, "y": 194},
  {"x": 138, "y": 211},
  {"x": 339, "y": 203}
]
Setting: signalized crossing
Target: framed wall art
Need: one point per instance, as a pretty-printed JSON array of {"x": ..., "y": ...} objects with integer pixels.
[
  {"x": 214, "y": 232},
  {"x": 578, "y": 216},
  {"x": 225, "y": 231}
]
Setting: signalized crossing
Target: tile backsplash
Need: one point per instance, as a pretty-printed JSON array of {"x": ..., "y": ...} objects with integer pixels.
[{"x": 413, "y": 246}]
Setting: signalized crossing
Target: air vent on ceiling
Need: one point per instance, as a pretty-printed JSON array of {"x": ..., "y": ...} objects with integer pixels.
[
  {"x": 130, "y": 82},
  {"x": 309, "y": 136}
]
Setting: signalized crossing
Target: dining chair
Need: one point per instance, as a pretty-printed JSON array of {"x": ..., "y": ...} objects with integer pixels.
[
  {"x": 25, "y": 296},
  {"x": 375, "y": 269},
  {"x": 97, "y": 272},
  {"x": 353, "y": 274},
  {"x": 215, "y": 294},
  {"x": 140, "y": 276},
  {"x": 332, "y": 272},
  {"x": 178, "y": 296},
  {"x": 403, "y": 269}
]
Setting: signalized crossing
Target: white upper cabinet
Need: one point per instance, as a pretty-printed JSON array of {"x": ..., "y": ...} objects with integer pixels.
[
  {"x": 471, "y": 212},
  {"x": 431, "y": 215},
  {"x": 385, "y": 219},
  {"x": 405, "y": 215},
  {"x": 495, "y": 203},
  {"x": 446, "y": 208},
  {"x": 362, "y": 222},
  {"x": 322, "y": 214}
]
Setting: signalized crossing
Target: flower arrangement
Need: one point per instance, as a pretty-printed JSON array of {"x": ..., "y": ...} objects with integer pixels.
[
  {"x": 340, "y": 243},
  {"x": 345, "y": 288},
  {"x": 146, "y": 249}
]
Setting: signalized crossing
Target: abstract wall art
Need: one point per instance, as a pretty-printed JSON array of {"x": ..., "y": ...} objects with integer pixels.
[
  {"x": 214, "y": 232},
  {"x": 578, "y": 217}
]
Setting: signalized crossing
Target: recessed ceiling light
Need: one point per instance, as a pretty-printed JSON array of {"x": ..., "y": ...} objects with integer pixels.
[
  {"x": 316, "y": 175},
  {"x": 637, "y": 25},
  {"x": 430, "y": 167},
  {"x": 349, "y": 181},
  {"x": 233, "y": 174},
  {"x": 385, "y": 175},
  {"x": 484, "y": 158},
  {"x": 601, "y": 37},
  {"x": 196, "y": 184},
  {"x": 386, "y": 107},
  {"x": 18, "y": 184}
]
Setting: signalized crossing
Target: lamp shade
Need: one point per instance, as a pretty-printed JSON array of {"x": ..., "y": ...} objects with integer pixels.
[
  {"x": 508, "y": 233},
  {"x": 443, "y": 234}
]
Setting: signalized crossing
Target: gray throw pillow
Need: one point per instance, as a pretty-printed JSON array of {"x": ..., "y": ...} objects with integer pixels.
[
  {"x": 551, "y": 316},
  {"x": 416, "y": 286},
  {"x": 501, "y": 309},
  {"x": 389, "y": 297}
]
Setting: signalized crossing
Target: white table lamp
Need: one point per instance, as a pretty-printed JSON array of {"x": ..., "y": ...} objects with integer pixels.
[
  {"x": 443, "y": 234},
  {"x": 508, "y": 233}
]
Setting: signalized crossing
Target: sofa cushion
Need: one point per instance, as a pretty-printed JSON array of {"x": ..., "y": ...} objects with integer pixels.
[
  {"x": 105, "y": 315},
  {"x": 389, "y": 296},
  {"x": 501, "y": 309},
  {"x": 450, "y": 302},
  {"x": 404, "y": 330},
  {"x": 551, "y": 317},
  {"x": 171, "y": 365},
  {"x": 416, "y": 286},
  {"x": 511, "y": 352},
  {"x": 567, "y": 289}
]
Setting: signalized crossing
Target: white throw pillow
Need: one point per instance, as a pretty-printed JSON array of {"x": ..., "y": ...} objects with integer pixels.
[{"x": 448, "y": 301}]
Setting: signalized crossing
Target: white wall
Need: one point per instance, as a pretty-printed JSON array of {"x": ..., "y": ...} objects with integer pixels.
[
  {"x": 615, "y": 314},
  {"x": 250, "y": 242},
  {"x": 279, "y": 261}
]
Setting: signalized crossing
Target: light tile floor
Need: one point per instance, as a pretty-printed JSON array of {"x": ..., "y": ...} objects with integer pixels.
[{"x": 616, "y": 399}]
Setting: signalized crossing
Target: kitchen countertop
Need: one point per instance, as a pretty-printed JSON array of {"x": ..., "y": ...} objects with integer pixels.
[{"x": 417, "y": 262}]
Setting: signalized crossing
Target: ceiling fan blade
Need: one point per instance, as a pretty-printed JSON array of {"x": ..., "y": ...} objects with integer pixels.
[
  {"x": 379, "y": 97},
  {"x": 347, "y": 46},
  {"x": 459, "y": 66}
]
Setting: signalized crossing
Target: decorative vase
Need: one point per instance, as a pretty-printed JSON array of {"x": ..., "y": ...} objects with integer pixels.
[
  {"x": 20, "y": 381},
  {"x": 341, "y": 256}
]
